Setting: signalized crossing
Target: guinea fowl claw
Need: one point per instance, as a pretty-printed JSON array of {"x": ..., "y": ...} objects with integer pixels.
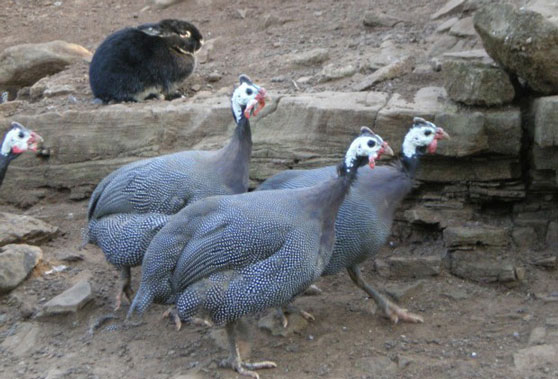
[
  {"x": 396, "y": 313},
  {"x": 173, "y": 315},
  {"x": 245, "y": 368},
  {"x": 307, "y": 316}
]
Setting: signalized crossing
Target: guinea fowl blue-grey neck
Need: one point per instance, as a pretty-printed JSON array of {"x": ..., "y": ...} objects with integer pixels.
[
  {"x": 228, "y": 256},
  {"x": 17, "y": 140},
  {"x": 364, "y": 220},
  {"x": 132, "y": 204}
]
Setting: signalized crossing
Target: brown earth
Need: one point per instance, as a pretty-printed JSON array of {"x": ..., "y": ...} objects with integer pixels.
[{"x": 470, "y": 330}]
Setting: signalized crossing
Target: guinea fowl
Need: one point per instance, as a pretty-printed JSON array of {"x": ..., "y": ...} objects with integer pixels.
[
  {"x": 364, "y": 220},
  {"x": 228, "y": 256},
  {"x": 131, "y": 204},
  {"x": 17, "y": 140}
]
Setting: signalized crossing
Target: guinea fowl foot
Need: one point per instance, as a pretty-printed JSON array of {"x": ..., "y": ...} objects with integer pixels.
[
  {"x": 246, "y": 368},
  {"x": 173, "y": 315},
  {"x": 305, "y": 315},
  {"x": 125, "y": 290},
  {"x": 396, "y": 313},
  {"x": 313, "y": 290}
]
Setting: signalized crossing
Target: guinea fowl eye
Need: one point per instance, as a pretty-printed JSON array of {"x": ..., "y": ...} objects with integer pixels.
[
  {"x": 21, "y": 135},
  {"x": 249, "y": 91},
  {"x": 427, "y": 132},
  {"x": 371, "y": 143}
]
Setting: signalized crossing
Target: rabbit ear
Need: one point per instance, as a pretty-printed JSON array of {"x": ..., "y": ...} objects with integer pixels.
[{"x": 151, "y": 30}]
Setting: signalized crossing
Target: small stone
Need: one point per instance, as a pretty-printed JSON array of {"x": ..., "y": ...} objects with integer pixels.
[
  {"x": 373, "y": 19},
  {"x": 279, "y": 79},
  {"x": 242, "y": 13},
  {"x": 69, "y": 301},
  {"x": 16, "y": 262},
  {"x": 19, "y": 228},
  {"x": 403, "y": 362},
  {"x": 456, "y": 293},
  {"x": 196, "y": 87},
  {"x": 214, "y": 77},
  {"x": 393, "y": 70},
  {"x": 332, "y": 72},
  {"x": 537, "y": 336},
  {"x": 446, "y": 25},
  {"x": 311, "y": 58},
  {"x": 303, "y": 79}
]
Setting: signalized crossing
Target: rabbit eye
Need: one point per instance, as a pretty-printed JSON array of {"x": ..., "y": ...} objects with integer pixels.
[
  {"x": 249, "y": 91},
  {"x": 427, "y": 132},
  {"x": 371, "y": 143},
  {"x": 186, "y": 35}
]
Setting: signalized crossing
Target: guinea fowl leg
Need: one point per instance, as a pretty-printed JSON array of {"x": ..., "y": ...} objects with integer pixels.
[
  {"x": 125, "y": 289},
  {"x": 235, "y": 362},
  {"x": 392, "y": 311}
]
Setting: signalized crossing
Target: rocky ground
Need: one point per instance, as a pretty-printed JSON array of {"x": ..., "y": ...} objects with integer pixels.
[{"x": 485, "y": 211}]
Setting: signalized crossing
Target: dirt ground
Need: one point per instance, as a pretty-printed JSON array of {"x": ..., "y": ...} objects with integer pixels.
[{"x": 470, "y": 329}]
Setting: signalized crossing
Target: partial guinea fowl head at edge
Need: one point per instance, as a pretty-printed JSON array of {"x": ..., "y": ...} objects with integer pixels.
[{"x": 17, "y": 140}]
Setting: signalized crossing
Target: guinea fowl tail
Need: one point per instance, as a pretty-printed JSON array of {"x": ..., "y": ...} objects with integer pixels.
[
  {"x": 141, "y": 302},
  {"x": 86, "y": 235}
]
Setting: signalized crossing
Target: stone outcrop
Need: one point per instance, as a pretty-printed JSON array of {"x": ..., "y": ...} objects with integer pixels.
[
  {"x": 23, "y": 65},
  {"x": 522, "y": 42},
  {"x": 24, "y": 229}
]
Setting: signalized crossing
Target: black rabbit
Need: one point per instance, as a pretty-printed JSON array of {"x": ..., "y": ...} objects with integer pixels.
[{"x": 148, "y": 61}]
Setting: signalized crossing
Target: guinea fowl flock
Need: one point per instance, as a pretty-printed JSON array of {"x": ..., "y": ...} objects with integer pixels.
[{"x": 208, "y": 247}]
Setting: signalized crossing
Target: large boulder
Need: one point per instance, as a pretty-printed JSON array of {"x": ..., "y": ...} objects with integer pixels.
[
  {"x": 475, "y": 83},
  {"x": 523, "y": 42},
  {"x": 18, "y": 228},
  {"x": 16, "y": 262},
  {"x": 23, "y": 65}
]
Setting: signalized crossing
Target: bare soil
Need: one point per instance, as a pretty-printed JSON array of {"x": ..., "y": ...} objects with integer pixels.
[{"x": 470, "y": 329}]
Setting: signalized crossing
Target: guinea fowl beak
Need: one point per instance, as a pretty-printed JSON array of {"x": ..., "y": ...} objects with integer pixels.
[
  {"x": 258, "y": 103},
  {"x": 386, "y": 149},
  {"x": 441, "y": 134},
  {"x": 34, "y": 141}
]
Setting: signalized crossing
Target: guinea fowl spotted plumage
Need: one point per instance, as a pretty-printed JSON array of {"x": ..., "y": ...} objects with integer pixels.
[
  {"x": 228, "y": 256},
  {"x": 17, "y": 140},
  {"x": 150, "y": 60},
  {"x": 364, "y": 220},
  {"x": 131, "y": 204}
]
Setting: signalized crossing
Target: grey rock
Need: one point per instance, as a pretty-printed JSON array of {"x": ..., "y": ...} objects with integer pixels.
[
  {"x": 393, "y": 70},
  {"x": 552, "y": 236},
  {"x": 471, "y": 236},
  {"x": 552, "y": 322},
  {"x": 535, "y": 357},
  {"x": 456, "y": 293},
  {"x": 16, "y": 262},
  {"x": 451, "y": 7},
  {"x": 442, "y": 45},
  {"x": 18, "y": 229},
  {"x": 463, "y": 28},
  {"x": 69, "y": 301},
  {"x": 23, "y": 65},
  {"x": 376, "y": 366},
  {"x": 311, "y": 58},
  {"x": 23, "y": 340},
  {"x": 477, "y": 83},
  {"x": 409, "y": 267},
  {"x": 547, "y": 8},
  {"x": 214, "y": 77},
  {"x": 468, "y": 136},
  {"x": 503, "y": 130},
  {"x": 270, "y": 20},
  {"x": 524, "y": 237},
  {"x": 545, "y": 110},
  {"x": 389, "y": 52},
  {"x": 437, "y": 216},
  {"x": 537, "y": 336},
  {"x": 332, "y": 72},
  {"x": 478, "y": 55},
  {"x": 522, "y": 42},
  {"x": 446, "y": 25},
  {"x": 373, "y": 19},
  {"x": 482, "y": 266}
]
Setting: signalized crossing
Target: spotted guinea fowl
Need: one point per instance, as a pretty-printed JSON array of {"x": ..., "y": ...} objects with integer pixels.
[
  {"x": 228, "y": 256},
  {"x": 364, "y": 220},
  {"x": 150, "y": 60},
  {"x": 17, "y": 140},
  {"x": 130, "y": 205}
]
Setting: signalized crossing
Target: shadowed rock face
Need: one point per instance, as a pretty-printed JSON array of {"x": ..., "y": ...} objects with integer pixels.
[{"x": 522, "y": 42}]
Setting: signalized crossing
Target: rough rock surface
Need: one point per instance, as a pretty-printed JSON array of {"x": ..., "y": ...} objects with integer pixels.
[
  {"x": 18, "y": 228},
  {"x": 69, "y": 301},
  {"x": 16, "y": 262},
  {"x": 23, "y": 65},
  {"x": 477, "y": 83},
  {"x": 523, "y": 42}
]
